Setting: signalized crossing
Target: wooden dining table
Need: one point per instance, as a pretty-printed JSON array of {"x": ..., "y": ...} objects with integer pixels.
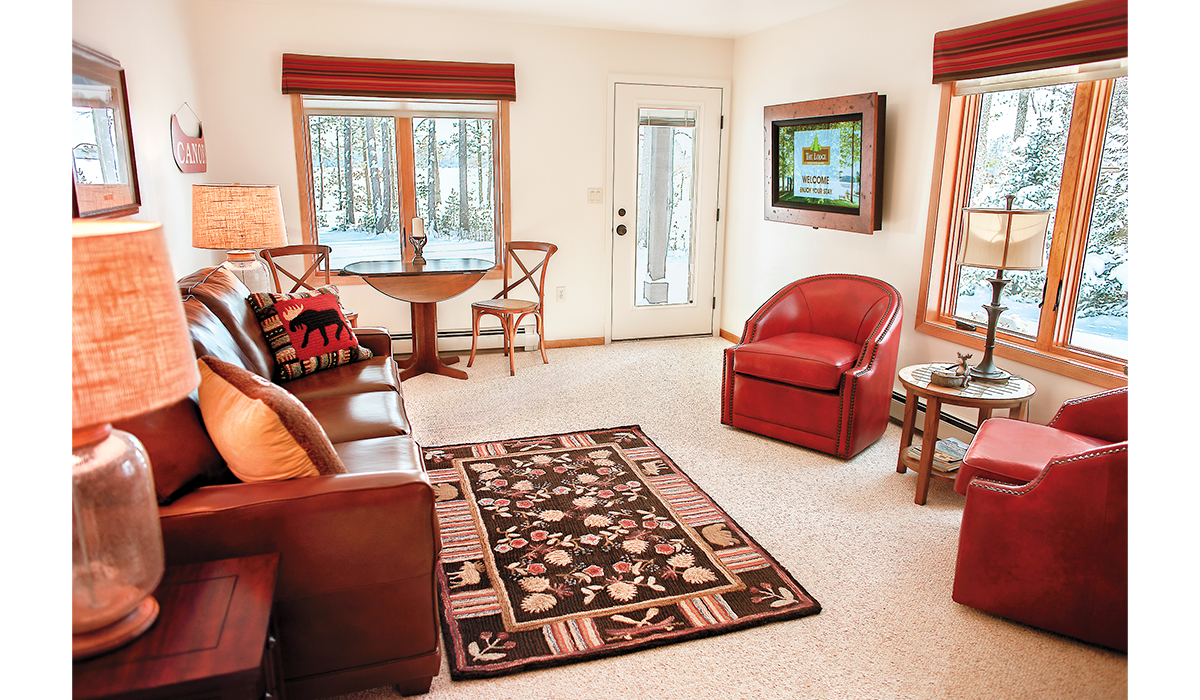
[{"x": 423, "y": 285}]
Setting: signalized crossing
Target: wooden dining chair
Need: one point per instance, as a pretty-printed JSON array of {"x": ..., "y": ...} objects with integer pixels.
[
  {"x": 511, "y": 311},
  {"x": 319, "y": 266}
]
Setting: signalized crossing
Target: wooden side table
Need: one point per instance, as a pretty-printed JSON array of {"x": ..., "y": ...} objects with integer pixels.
[
  {"x": 423, "y": 285},
  {"x": 214, "y": 639},
  {"x": 1013, "y": 394}
]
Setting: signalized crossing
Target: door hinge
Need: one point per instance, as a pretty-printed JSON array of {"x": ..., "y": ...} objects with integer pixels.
[
  {"x": 714, "y": 303},
  {"x": 722, "y": 121},
  {"x": 718, "y": 215}
]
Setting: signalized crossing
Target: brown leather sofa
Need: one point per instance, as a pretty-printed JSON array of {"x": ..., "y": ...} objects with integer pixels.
[{"x": 355, "y": 600}]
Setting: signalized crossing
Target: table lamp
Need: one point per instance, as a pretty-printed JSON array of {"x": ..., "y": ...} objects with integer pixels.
[
  {"x": 130, "y": 354},
  {"x": 1001, "y": 239},
  {"x": 239, "y": 219}
]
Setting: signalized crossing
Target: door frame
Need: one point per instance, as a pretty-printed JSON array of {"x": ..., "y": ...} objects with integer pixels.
[{"x": 722, "y": 180}]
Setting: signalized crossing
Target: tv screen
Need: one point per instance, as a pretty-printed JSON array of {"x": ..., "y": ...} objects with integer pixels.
[
  {"x": 824, "y": 162},
  {"x": 819, "y": 163}
]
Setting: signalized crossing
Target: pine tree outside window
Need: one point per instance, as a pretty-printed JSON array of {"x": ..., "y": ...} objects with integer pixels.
[{"x": 373, "y": 164}]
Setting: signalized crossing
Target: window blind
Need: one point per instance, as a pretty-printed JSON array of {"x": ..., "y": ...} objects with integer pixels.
[
  {"x": 1076, "y": 33},
  {"x": 382, "y": 77}
]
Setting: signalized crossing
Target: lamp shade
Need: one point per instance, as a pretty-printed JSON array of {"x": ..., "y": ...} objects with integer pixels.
[
  {"x": 1004, "y": 239},
  {"x": 130, "y": 348},
  {"x": 237, "y": 217}
]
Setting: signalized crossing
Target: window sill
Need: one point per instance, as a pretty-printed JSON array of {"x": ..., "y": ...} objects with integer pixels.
[{"x": 1068, "y": 367}]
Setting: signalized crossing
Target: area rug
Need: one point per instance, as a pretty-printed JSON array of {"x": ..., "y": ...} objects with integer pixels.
[{"x": 577, "y": 546}]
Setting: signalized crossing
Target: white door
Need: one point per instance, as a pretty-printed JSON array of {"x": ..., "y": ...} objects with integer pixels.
[{"x": 666, "y": 161}]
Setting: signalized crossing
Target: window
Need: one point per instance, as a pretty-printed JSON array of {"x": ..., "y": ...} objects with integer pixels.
[
  {"x": 1035, "y": 107},
  {"x": 380, "y": 142},
  {"x": 1062, "y": 147},
  {"x": 375, "y": 164}
]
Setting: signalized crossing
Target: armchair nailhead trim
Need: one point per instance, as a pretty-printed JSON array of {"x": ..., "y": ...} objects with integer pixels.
[{"x": 981, "y": 483}]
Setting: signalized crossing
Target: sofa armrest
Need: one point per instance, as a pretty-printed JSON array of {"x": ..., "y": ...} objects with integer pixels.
[
  {"x": 334, "y": 532},
  {"x": 1104, "y": 416},
  {"x": 376, "y": 339}
]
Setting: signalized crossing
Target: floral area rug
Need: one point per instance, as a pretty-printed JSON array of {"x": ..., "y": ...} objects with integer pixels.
[{"x": 576, "y": 546}]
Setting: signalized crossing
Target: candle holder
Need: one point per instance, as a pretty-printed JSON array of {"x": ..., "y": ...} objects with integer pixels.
[{"x": 419, "y": 244}]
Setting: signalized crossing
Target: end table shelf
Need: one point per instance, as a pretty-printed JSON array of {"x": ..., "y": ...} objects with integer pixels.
[{"x": 214, "y": 638}]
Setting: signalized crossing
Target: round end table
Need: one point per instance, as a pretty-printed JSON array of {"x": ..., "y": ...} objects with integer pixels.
[{"x": 1013, "y": 394}]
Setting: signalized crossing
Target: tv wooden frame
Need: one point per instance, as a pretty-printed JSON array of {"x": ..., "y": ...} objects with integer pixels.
[
  {"x": 121, "y": 198},
  {"x": 873, "y": 107}
]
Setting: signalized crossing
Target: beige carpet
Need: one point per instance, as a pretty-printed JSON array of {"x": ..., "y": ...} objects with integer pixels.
[{"x": 881, "y": 566}]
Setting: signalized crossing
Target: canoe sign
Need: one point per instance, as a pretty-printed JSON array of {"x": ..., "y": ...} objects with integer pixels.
[{"x": 188, "y": 151}]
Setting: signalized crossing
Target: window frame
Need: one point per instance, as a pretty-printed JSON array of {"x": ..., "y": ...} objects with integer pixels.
[
  {"x": 958, "y": 118},
  {"x": 406, "y": 173}
]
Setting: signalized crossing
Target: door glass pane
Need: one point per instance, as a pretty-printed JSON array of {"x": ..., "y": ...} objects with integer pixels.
[
  {"x": 354, "y": 187},
  {"x": 454, "y": 156},
  {"x": 666, "y": 179},
  {"x": 1019, "y": 151},
  {"x": 1102, "y": 308}
]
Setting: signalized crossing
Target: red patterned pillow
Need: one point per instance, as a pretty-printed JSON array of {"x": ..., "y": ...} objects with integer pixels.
[{"x": 306, "y": 331}]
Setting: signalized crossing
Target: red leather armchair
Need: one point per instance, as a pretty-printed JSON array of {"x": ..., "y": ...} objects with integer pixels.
[
  {"x": 816, "y": 364},
  {"x": 1044, "y": 529}
]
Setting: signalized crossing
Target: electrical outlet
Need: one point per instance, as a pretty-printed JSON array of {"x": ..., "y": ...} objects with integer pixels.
[
  {"x": 561, "y": 294},
  {"x": 595, "y": 195}
]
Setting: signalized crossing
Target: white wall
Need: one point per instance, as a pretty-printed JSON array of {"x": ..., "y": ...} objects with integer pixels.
[
  {"x": 558, "y": 124},
  {"x": 868, "y": 46},
  {"x": 153, "y": 41}
]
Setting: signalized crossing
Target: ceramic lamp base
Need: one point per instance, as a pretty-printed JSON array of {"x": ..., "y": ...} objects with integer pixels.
[{"x": 119, "y": 633}]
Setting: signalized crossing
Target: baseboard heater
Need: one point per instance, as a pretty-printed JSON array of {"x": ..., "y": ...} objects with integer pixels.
[
  {"x": 463, "y": 334},
  {"x": 948, "y": 419}
]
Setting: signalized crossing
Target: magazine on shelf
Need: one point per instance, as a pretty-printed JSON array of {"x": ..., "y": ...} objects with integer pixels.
[{"x": 947, "y": 454}]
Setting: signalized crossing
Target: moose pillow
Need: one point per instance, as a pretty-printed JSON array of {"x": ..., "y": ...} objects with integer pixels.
[{"x": 306, "y": 331}]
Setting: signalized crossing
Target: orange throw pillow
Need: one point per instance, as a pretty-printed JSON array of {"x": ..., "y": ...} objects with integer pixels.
[{"x": 262, "y": 431}]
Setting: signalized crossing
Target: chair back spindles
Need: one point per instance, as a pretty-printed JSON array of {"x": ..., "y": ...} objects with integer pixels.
[{"x": 318, "y": 266}]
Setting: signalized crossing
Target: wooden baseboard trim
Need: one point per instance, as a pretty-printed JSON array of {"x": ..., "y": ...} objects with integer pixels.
[
  {"x": 735, "y": 339},
  {"x": 574, "y": 342}
]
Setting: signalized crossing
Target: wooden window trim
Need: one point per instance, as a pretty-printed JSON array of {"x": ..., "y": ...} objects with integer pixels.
[
  {"x": 953, "y": 163},
  {"x": 408, "y": 205}
]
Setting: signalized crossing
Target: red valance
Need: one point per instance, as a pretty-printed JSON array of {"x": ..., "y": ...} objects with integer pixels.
[
  {"x": 382, "y": 77},
  {"x": 1080, "y": 32}
]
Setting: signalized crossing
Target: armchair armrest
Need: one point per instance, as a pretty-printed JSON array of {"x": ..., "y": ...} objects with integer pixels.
[
  {"x": 376, "y": 339},
  {"x": 1104, "y": 416},
  {"x": 334, "y": 532}
]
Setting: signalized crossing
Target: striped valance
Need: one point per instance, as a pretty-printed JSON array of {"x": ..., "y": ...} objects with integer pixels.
[
  {"x": 382, "y": 77},
  {"x": 1081, "y": 32}
]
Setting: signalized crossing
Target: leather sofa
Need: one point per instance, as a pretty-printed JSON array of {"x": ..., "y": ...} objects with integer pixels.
[
  {"x": 816, "y": 364},
  {"x": 1044, "y": 536},
  {"x": 355, "y": 601}
]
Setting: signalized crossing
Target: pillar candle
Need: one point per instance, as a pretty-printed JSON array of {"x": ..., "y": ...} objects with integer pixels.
[{"x": 418, "y": 228}]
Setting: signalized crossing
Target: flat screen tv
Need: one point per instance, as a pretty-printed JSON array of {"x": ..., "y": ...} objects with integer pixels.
[{"x": 824, "y": 162}]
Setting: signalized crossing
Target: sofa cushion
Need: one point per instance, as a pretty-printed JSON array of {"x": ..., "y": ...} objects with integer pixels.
[
  {"x": 395, "y": 452},
  {"x": 801, "y": 359},
  {"x": 182, "y": 455},
  {"x": 306, "y": 331},
  {"x": 225, "y": 296},
  {"x": 263, "y": 432},
  {"x": 350, "y": 417},
  {"x": 374, "y": 374}
]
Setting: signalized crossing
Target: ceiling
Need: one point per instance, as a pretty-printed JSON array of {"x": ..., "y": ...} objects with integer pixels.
[{"x": 715, "y": 18}]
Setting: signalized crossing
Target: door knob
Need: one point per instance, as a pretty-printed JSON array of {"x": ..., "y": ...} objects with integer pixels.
[{"x": 621, "y": 230}]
